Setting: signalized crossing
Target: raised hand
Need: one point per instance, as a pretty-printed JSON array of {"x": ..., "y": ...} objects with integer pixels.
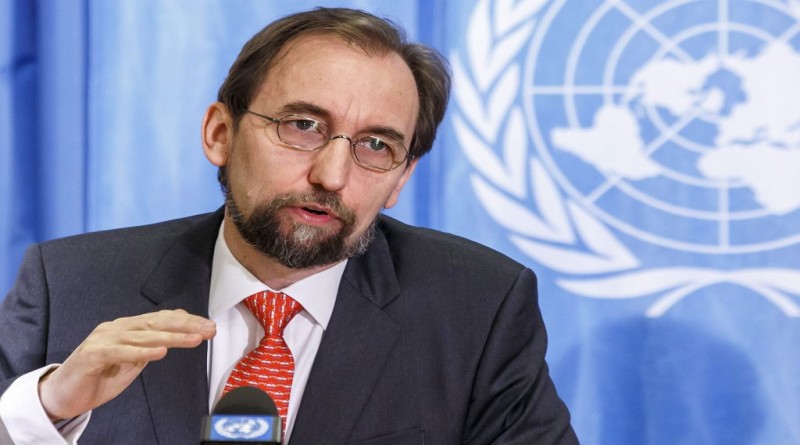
[{"x": 111, "y": 357}]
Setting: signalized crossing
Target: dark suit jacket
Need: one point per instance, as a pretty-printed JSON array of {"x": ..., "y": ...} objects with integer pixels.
[{"x": 433, "y": 339}]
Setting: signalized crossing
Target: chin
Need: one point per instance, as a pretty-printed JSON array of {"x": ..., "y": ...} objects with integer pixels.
[{"x": 305, "y": 234}]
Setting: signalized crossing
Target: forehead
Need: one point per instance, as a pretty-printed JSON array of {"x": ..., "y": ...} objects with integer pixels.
[{"x": 342, "y": 79}]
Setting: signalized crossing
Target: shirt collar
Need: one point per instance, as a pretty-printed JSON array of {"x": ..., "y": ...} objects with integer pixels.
[{"x": 231, "y": 283}]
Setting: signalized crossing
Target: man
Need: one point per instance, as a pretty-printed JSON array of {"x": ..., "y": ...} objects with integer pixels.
[{"x": 396, "y": 334}]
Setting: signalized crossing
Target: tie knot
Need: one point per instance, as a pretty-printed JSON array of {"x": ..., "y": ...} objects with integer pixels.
[{"x": 273, "y": 310}]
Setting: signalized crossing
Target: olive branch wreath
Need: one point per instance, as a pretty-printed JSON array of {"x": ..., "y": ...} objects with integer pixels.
[{"x": 560, "y": 234}]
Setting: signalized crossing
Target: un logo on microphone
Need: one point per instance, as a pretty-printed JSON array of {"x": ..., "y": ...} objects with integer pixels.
[
  {"x": 640, "y": 149},
  {"x": 241, "y": 427}
]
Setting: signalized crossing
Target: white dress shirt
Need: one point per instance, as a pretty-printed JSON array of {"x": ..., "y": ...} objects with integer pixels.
[{"x": 238, "y": 332}]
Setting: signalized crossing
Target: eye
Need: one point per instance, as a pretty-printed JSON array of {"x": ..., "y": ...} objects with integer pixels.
[
  {"x": 302, "y": 125},
  {"x": 302, "y": 132},
  {"x": 375, "y": 144}
]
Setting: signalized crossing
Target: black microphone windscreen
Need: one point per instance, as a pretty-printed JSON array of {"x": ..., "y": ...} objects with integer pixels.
[
  {"x": 244, "y": 415},
  {"x": 246, "y": 400}
]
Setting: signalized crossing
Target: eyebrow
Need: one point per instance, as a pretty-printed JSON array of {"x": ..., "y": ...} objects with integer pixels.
[
  {"x": 302, "y": 107},
  {"x": 307, "y": 108},
  {"x": 386, "y": 132}
]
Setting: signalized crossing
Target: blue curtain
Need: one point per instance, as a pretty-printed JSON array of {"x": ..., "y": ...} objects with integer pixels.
[
  {"x": 42, "y": 125},
  {"x": 640, "y": 156}
]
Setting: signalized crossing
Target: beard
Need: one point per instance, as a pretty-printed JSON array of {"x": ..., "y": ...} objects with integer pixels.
[{"x": 300, "y": 246}]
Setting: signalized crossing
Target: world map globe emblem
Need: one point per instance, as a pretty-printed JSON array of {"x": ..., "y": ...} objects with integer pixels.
[{"x": 677, "y": 123}]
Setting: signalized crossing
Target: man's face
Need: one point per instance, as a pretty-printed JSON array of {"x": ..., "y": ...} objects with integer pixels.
[{"x": 309, "y": 209}]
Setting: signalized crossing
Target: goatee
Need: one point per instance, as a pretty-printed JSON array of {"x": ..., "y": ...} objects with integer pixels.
[{"x": 300, "y": 246}]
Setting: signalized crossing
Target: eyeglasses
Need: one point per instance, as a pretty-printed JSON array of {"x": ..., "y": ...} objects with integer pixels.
[{"x": 371, "y": 152}]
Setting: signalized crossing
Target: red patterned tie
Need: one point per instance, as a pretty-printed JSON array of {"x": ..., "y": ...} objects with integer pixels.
[{"x": 270, "y": 366}]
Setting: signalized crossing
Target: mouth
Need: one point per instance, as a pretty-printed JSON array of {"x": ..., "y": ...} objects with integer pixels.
[
  {"x": 314, "y": 214},
  {"x": 314, "y": 211}
]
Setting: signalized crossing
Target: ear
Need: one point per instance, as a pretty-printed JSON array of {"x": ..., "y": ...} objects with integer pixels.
[
  {"x": 392, "y": 200},
  {"x": 217, "y": 134}
]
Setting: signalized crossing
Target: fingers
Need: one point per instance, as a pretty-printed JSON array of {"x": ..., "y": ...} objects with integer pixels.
[
  {"x": 143, "y": 338},
  {"x": 175, "y": 321},
  {"x": 158, "y": 338},
  {"x": 167, "y": 328},
  {"x": 100, "y": 358},
  {"x": 107, "y": 347}
]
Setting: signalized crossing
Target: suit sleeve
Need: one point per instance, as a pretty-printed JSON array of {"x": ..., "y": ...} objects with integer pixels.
[
  {"x": 23, "y": 321},
  {"x": 514, "y": 400},
  {"x": 23, "y": 333}
]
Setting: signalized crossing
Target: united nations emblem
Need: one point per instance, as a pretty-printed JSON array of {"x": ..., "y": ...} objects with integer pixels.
[
  {"x": 241, "y": 427},
  {"x": 603, "y": 131}
]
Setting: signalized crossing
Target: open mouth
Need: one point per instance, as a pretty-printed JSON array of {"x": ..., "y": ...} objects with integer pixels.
[{"x": 315, "y": 211}]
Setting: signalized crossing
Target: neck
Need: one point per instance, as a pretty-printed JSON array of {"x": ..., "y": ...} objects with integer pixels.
[{"x": 268, "y": 270}]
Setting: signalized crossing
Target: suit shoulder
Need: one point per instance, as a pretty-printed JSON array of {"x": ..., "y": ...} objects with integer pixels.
[
  {"x": 133, "y": 242},
  {"x": 431, "y": 247}
]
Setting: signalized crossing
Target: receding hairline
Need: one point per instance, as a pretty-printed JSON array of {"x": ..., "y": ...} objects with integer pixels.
[
  {"x": 372, "y": 50},
  {"x": 377, "y": 51}
]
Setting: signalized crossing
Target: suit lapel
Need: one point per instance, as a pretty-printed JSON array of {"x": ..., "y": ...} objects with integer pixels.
[
  {"x": 176, "y": 387},
  {"x": 354, "y": 349}
]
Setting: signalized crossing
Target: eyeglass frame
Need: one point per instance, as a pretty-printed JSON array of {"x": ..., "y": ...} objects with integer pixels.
[{"x": 277, "y": 120}]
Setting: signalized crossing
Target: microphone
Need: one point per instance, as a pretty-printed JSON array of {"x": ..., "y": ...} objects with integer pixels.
[{"x": 245, "y": 415}]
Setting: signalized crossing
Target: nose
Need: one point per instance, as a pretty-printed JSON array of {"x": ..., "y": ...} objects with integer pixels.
[{"x": 331, "y": 164}]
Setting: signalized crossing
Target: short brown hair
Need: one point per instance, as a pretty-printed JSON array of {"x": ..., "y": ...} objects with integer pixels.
[{"x": 376, "y": 36}]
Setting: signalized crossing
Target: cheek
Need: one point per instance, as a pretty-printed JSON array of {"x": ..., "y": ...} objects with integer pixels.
[
  {"x": 262, "y": 172},
  {"x": 370, "y": 199}
]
